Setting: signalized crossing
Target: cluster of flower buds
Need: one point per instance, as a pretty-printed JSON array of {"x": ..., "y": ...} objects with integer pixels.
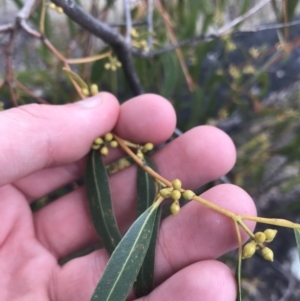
[
  {"x": 258, "y": 243},
  {"x": 92, "y": 90},
  {"x": 137, "y": 41},
  {"x": 113, "y": 63},
  {"x": 57, "y": 8},
  {"x": 175, "y": 192},
  {"x": 103, "y": 144},
  {"x": 143, "y": 149}
]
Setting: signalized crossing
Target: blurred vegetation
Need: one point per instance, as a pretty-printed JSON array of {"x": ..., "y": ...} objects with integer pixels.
[
  {"x": 214, "y": 77},
  {"x": 219, "y": 76},
  {"x": 211, "y": 78}
]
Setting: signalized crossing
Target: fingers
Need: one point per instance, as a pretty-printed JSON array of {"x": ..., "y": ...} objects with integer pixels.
[
  {"x": 144, "y": 127},
  {"x": 211, "y": 280},
  {"x": 196, "y": 234},
  {"x": 201, "y": 233},
  {"x": 41, "y": 136},
  {"x": 198, "y": 166}
]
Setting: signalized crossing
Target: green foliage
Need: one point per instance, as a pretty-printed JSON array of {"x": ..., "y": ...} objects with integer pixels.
[
  {"x": 147, "y": 189},
  {"x": 125, "y": 262},
  {"x": 222, "y": 89},
  {"x": 100, "y": 204}
]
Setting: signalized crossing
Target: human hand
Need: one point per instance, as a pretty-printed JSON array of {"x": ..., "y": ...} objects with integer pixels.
[{"x": 43, "y": 147}]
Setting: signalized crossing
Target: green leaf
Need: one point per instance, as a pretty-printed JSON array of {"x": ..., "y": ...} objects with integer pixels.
[
  {"x": 291, "y": 6},
  {"x": 146, "y": 192},
  {"x": 79, "y": 81},
  {"x": 297, "y": 236},
  {"x": 99, "y": 200},
  {"x": 126, "y": 260},
  {"x": 146, "y": 188},
  {"x": 238, "y": 278}
]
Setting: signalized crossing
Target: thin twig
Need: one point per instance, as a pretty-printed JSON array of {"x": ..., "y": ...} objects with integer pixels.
[
  {"x": 150, "y": 24},
  {"x": 52, "y": 49},
  {"x": 234, "y": 216},
  {"x": 128, "y": 21},
  {"x": 28, "y": 92},
  {"x": 143, "y": 54},
  {"x": 243, "y": 17},
  {"x": 9, "y": 71},
  {"x": 6, "y": 27},
  {"x": 168, "y": 24},
  {"x": 26, "y": 10},
  {"x": 134, "y": 23},
  {"x": 108, "y": 35}
]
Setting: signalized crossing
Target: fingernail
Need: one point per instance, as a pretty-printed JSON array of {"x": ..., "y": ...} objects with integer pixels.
[{"x": 92, "y": 102}]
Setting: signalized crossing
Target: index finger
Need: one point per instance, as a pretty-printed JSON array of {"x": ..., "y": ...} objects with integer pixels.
[{"x": 37, "y": 136}]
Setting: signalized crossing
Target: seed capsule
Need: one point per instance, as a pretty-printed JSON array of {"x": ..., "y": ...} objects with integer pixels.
[
  {"x": 104, "y": 151},
  {"x": 267, "y": 254},
  {"x": 175, "y": 195},
  {"x": 175, "y": 208},
  {"x": 165, "y": 193},
  {"x": 260, "y": 237},
  {"x": 108, "y": 137},
  {"x": 270, "y": 234},
  {"x": 188, "y": 195},
  {"x": 249, "y": 249},
  {"x": 176, "y": 184}
]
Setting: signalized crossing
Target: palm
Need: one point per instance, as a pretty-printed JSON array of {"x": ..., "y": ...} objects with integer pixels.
[
  {"x": 32, "y": 243},
  {"x": 23, "y": 257}
]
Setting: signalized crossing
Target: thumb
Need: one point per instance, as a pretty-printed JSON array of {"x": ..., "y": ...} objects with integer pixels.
[{"x": 37, "y": 136}]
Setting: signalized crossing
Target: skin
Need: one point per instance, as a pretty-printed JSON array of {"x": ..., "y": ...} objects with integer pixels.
[{"x": 44, "y": 147}]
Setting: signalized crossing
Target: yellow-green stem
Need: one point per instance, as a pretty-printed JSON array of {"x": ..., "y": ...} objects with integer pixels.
[
  {"x": 271, "y": 221},
  {"x": 234, "y": 216}
]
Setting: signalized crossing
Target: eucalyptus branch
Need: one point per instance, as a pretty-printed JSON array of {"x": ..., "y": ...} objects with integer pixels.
[
  {"x": 52, "y": 49},
  {"x": 238, "y": 218},
  {"x": 26, "y": 10},
  {"x": 6, "y": 27},
  {"x": 108, "y": 35}
]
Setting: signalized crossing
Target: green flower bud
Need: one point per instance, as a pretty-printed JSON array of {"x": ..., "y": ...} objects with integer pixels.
[
  {"x": 176, "y": 184},
  {"x": 108, "y": 137},
  {"x": 249, "y": 249},
  {"x": 175, "y": 208},
  {"x": 270, "y": 234},
  {"x": 165, "y": 193},
  {"x": 267, "y": 254},
  {"x": 188, "y": 194},
  {"x": 104, "y": 151},
  {"x": 175, "y": 195}
]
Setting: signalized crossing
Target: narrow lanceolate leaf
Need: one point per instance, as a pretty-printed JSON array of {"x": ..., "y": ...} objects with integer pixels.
[
  {"x": 146, "y": 188},
  {"x": 297, "y": 236},
  {"x": 99, "y": 200},
  {"x": 126, "y": 260},
  {"x": 74, "y": 76},
  {"x": 146, "y": 192}
]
